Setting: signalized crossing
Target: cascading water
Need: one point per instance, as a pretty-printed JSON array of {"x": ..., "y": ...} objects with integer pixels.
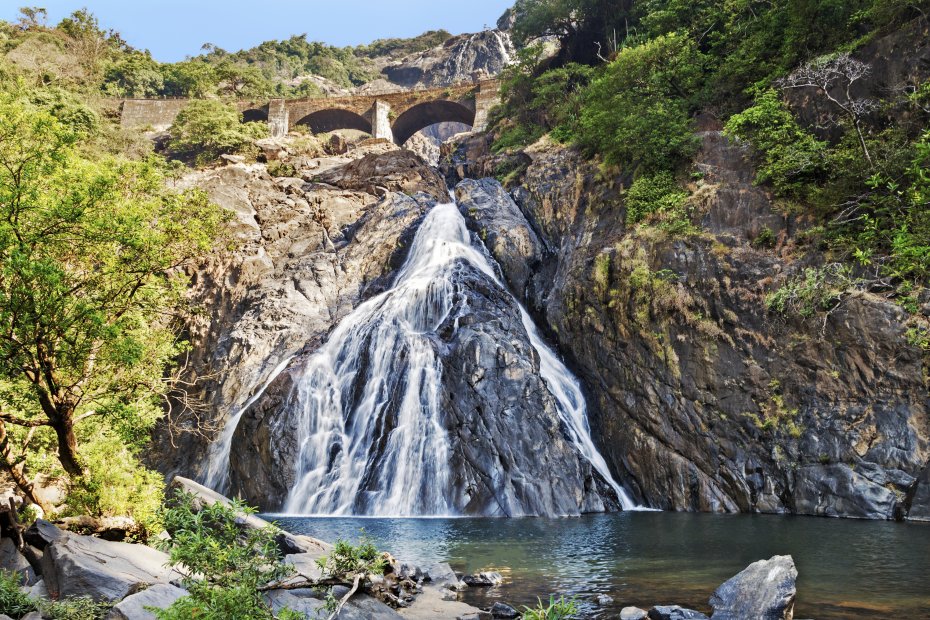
[{"x": 369, "y": 426}]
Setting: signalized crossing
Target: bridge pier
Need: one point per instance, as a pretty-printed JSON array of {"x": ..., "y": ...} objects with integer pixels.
[
  {"x": 381, "y": 121},
  {"x": 278, "y": 122}
]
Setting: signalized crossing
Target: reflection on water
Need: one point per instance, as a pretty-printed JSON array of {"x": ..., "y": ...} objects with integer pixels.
[{"x": 848, "y": 569}]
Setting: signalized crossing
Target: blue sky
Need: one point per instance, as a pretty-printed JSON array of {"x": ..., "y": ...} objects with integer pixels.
[{"x": 173, "y": 29}]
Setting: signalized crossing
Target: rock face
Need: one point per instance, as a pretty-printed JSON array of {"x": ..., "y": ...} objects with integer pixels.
[
  {"x": 764, "y": 590},
  {"x": 460, "y": 59},
  {"x": 303, "y": 256},
  {"x": 700, "y": 397},
  {"x": 398, "y": 171}
]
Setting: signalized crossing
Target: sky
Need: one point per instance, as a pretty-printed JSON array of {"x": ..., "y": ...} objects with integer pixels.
[{"x": 174, "y": 29}]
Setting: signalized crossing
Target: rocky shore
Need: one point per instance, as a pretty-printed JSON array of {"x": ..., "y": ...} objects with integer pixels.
[{"x": 132, "y": 579}]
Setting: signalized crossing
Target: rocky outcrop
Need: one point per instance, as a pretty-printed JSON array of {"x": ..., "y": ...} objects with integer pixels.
[
  {"x": 460, "y": 59},
  {"x": 702, "y": 398},
  {"x": 378, "y": 173},
  {"x": 764, "y": 590}
]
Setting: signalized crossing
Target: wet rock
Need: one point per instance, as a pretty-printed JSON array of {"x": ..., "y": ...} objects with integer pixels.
[
  {"x": 674, "y": 612},
  {"x": 503, "y": 610},
  {"x": 503, "y": 228},
  {"x": 603, "y": 599},
  {"x": 138, "y": 606},
  {"x": 633, "y": 613},
  {"x": 363, "y": 607},
  {"x": 920, "y": 501},
  {"x": 837, "y": 490},
  {"x": 483, "y": 580},
  {"x": 764, "y": 590},
  {"x": 102, "y": 570}
]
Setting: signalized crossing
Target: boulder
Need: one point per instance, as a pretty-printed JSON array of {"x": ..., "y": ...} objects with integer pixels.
[
  {"x": 765, "y": 590},
  {"x": 674, "y": 612},
  {"x": 633, "y": 613},
  {"x": 301, "y": 601},
  {"x": 43, "y": 532},
  {"x": 271, "y": 149},
  {"x": 305, "y": 565},
  {"x": 12, "y": 561},
  {"x": 364, "y": 607},
  {"x": 503, "y": 610},
  {"x": 136, "y": 606},
  {"x": 101, "y": 569},
  {"x": 483, "y": 580},
  {"x": 37, "y": 590}
]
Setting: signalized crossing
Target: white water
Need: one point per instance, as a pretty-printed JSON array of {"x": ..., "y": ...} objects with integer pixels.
[
  {"x": 386, "y": 346},
  {"x": 217, "y": 476}
]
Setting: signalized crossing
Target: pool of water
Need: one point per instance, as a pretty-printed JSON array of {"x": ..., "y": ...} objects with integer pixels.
[{"x": 847, "y": 569}]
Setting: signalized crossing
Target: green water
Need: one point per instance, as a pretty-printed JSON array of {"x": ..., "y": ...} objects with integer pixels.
[{"x": 847, "y": 569}]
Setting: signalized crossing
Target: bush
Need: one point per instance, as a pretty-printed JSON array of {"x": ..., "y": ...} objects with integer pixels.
[
  {"x": 206, "y": 129},
  {"x": 789, "y": 158},
  {"x": 656, "y": 194},
  {"x": 13, "y": 601},
  {"x": 224, "y": 563},
  {"x": 638, "y": 113},
  {"x": 817, "y": 290},
  {"x": 346, "y": 561}
]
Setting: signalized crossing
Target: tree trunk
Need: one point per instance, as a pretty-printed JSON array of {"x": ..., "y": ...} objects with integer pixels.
[
  {"x": 63, "y": 423},
  {"x": 9, "y": 463}
]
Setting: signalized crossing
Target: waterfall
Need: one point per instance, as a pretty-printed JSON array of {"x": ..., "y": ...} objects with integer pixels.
[
  {"x": 380, "y": 367},
  {"x": 217, "y": 475}
]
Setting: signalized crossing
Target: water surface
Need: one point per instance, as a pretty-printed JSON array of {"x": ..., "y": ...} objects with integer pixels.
[{"x": 847, "y": 569}]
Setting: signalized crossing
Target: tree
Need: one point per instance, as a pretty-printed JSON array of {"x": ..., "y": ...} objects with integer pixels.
[
  {"x": 206, "y": 129},
  {"x": 834, "y": 77},
  {"x": 32, "y": 17},
  {"x": 135, "y": 74},
  {"x": 90, "y": 257},
  {"x": 638, "y": 113},
  {"x": 587, "y": 29}
]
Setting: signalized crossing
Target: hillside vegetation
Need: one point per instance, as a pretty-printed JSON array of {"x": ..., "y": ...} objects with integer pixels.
[{"x": 639, "y": 74}]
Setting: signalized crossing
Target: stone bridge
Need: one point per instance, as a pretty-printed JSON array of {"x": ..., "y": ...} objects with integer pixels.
[{"x": 392, "y": 116}]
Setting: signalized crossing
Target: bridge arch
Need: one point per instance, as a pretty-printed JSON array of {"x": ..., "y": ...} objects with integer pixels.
[
  {"x": 254, "y": 115},
  {"x": 332, "y": 119},
  {"x": 429, "y": 113}
]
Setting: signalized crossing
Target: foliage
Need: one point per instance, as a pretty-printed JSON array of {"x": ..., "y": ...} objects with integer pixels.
[
  {"x": 816, "y": 290},
  {"x": 396, "y": 48},
  {"x": 89, "y": 257},
  {"x": 224, "y": 563},
  {"x": 658, "y": 194},
  {"x": 561, "y": 609},
  {"x": 13, "y": 601},
  {"x": 587, "y": 28},
  {"x": 638, "y": 112},
  {"x": 790, "y": 158},
  {"x": 347, "y": 560},
  {"x": 206, "y": 129}
]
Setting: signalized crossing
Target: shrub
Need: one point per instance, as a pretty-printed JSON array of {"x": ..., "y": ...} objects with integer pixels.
[
  {"x": 638, "y": 112},
  {"x": 655, "y": 194},
  {"x": 13, "y": 601},
  {"x": 224, "y": 563},
  {"x": 817, "y": 290},
  {"x": 789, "y": 158},
  {"x": 346, "y": 560},
  {"x": 206, "y": 129},
  {"x": 561, "y": 609}
]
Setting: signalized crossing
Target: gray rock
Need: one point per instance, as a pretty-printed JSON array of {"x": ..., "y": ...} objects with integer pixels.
[
  {"x": 305, "y": 565},
  {"x": 837, "y": 491},
  {"x": 37, "y": 590},
  {"x": 5, "y": 617},
  {"x": 461, "y": 58},
  {"x": 764, "y": 590},
  {"x": 43, "y": 532},
  {"x": 364, "y": 607},
  {"x": 484, "y": 580},
  {"x": 674, "y": 612},
  {"x": 32, "y": 615},
  {"x": 12, "y": 561},
  {"x": 503, "y": 610},
  {"x": 308, "y": 605},
  {"x": 920, "y": 502},
  {"x": 504, "y": 229},
  {"x": 633, "y": 613},
  {"x": 102, "y": 570},
  {"x": 134, "y": 607}
]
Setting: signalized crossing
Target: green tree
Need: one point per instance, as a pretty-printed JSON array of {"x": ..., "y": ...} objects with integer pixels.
[
  {"x": 638, "y": 112},
  {"x": 90, "y": 252},
  {"x": 135, "y": 74},
  {"x": 206, "y": 129}
]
